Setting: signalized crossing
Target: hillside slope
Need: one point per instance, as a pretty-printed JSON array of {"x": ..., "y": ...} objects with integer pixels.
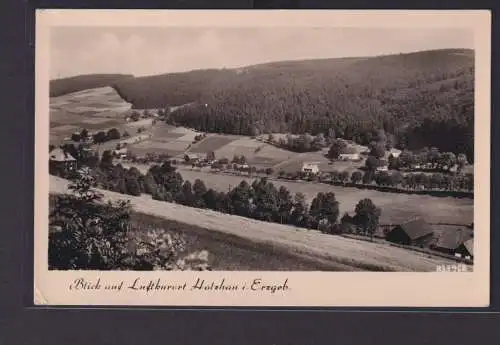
[
  {"x": 63, "y": 86},
  {"x": 423, "y": 98},
  {"x": 349, "y": 253}
]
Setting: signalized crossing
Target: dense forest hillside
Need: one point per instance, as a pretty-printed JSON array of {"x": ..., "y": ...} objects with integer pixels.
[
  {"x": 423, "y": 98},
  {"x": 63, "y": 86}
]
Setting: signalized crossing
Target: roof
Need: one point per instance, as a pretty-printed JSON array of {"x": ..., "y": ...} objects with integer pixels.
[
  {"x": 191, "y": 155},
  {"x": 469, "y": 245},
  {"x": 58, "y": 155},
  {"x": 395, "y": 151},
  {"x": 453, "y": 238},
  {"x": 123, "y": 150},
  {"x": 416, "y": 228}
]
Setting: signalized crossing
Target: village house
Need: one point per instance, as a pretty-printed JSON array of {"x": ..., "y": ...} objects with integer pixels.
[
  {"x": 383, "y": 165},
  {"x": 191, "y": 158},
  {"x": 349, "y": 157},
  {"x": 241, "y": 166},
  {"x": 466, "y": 249},
  {"x": 61, "y": 160},
  {"x": 394, "y": 152},
  {"x": 310, "y": 168},
  {"x": 121, "y": 153},
  {"x": 451, "y": 239},
  {"x": 416, "y": 232}
]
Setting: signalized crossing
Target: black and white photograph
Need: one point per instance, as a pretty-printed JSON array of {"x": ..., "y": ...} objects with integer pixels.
[{"x": 290, "y": 148}]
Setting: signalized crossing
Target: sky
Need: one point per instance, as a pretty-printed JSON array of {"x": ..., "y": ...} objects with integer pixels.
[{"x": 148, "y": 51}]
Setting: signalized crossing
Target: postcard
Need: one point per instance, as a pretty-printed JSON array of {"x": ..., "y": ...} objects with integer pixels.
[{"x": 262, "y": 158}]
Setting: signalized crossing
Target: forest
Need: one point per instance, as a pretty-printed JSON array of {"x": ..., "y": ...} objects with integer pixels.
[{"x": 423, "y": 99}]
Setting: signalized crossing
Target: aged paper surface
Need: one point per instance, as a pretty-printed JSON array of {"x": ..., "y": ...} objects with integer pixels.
[{"x": 267, "y": 287}]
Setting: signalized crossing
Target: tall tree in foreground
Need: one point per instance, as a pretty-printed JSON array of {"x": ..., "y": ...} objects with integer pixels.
[
  {"x": 86, "y": 233},
  {"x": 367, "y": 216}
]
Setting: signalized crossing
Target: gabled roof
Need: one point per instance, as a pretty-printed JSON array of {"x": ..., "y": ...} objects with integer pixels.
[
  {"x": 416, "y": 228},
  {"x": 469, "y": 245},
  {"x": 453, "y": 238},
  {"x": 58, "y": 155}
]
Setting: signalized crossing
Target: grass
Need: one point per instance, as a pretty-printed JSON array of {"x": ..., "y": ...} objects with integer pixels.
[
  {"x": 92, "y": 109},
  {"x": 173, "y": 147},
  {"x": 228, "y": 253},
  {"x": 257, "y": 154},
  {"x": 337, "y": 251},
  {"x": 324, "y": 164},
  {"x": 396, "y": 208},
  {"x": 212, "y": 143}
]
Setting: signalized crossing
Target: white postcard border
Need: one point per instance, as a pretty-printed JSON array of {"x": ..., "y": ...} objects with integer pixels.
[{"x": 363, "y": 289}]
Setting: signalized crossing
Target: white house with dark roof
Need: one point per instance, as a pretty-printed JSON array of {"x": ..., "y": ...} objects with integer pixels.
[
  {"x": 349, "y": 157},
  {"x": 310, "y": 168},
  {"x": 61, "y": 159}
]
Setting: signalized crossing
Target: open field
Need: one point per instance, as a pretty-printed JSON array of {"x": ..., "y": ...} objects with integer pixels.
[
  {"x": 92, "y": 109},
  {"x": 395, "y": 207},
  {"x": 233, "y": 253},
  {"x": 97, "y": 100},
  {"x": 171, "y": 148},
  {"x": 341, "y": 253},
  {"x": 164, "y": 132},
  {"x": 212, "y": 143},
  {"x": 258, "y": 154},
  {"x": 324, "y": 164},
  {"x": 173, "y": 141}
]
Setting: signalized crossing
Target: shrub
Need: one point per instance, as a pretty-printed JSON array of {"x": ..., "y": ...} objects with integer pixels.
[
  {"x": 87, "y": 233},
  {"x": 157, "y": 249}
]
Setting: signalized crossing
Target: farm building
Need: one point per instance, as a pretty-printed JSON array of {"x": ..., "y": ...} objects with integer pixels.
[
  {"x": 241, "y": 166},
  {"x": 61, "y": 160},
  {"x": 414, "y": 232},
  {"x": 394, "y": 152},
  {"x": 466, "y": 249},
  {"x": 451, "y": 239},
  {"x": 310, "y": 168},
  {"x": 122, "y": 153},
  {"x": 349, "y": 156},
  {"x": 191, "y": 157}
]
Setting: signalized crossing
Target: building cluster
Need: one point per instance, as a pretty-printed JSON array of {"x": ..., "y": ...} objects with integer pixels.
[
  {"x": 418, "y": 233},
  {"x": 61, "y": 160}
]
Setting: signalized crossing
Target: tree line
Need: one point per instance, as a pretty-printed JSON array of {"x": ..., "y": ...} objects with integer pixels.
[
  {"x": 260, "y": 200},
  {"x": 394, "y": 179},
  {"x": 63, "y": 86}
]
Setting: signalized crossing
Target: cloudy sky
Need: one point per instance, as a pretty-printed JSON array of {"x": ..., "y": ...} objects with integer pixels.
[{"x": 146, "y": 51}]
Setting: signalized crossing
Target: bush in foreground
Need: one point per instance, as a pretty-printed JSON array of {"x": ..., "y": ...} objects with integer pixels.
[{"x": 87, "y": 233}]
